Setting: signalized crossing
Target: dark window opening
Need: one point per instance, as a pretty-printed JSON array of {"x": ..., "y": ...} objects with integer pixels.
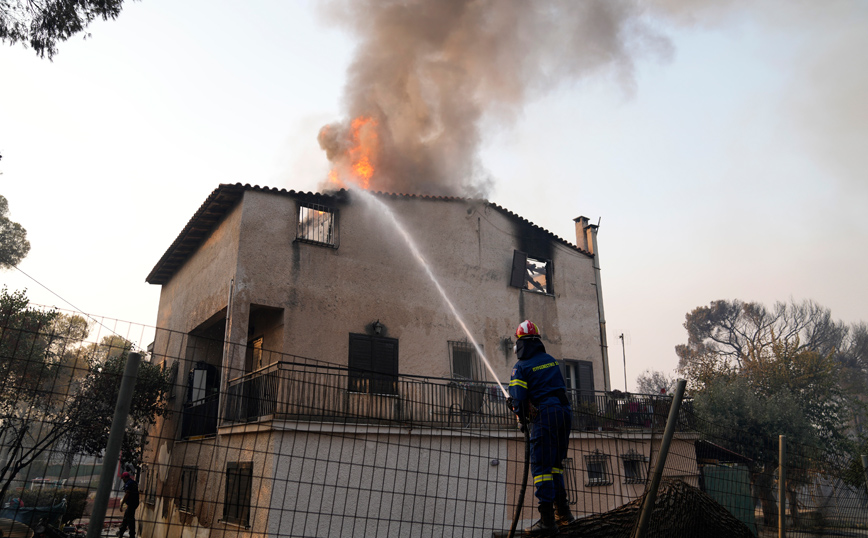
[
  {"x": 239, "y": 485},
  {"x": 532, "y": 274},
  {"x": 316, "y": 224},
  {"x": 634, "y": 467},
  {"x": 187, "y": 493},
  {"x": 597, "y": 466},
  {"x": 465, "y": 361},
  {"x": 373, "y": 364},
  {"x": 149, "y": 485}
]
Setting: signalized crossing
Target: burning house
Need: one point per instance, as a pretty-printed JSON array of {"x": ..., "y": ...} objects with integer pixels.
[{"x": 294, "y": 319}]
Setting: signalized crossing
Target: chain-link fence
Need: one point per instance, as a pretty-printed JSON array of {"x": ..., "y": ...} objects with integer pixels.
[{"x": 231, "y": 439}]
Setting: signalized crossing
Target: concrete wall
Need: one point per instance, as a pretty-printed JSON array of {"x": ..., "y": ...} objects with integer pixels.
[
  {"x": 327, "y": 293},
  {"x": 321, "y": 295},
  {"x": 387, "y": 482}
]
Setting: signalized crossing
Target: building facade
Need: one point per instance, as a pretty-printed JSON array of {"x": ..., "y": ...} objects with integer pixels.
[{"x": 339, "y": 350}]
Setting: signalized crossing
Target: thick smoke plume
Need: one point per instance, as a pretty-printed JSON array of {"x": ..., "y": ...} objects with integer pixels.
[{"x": 427, "y": 72}]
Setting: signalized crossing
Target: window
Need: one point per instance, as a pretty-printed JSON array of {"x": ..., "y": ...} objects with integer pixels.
[
  {"x": 579, "y": 375},
  {"x": 597, "y": 465},
  {"x": 373, "y": 364},
  {"x": 533, "y": 274},
  {"x": 149, "y": 485},
  {"x": 239, "y": 485},
  {"x": 465, "y": 361},
  {"x": 187, "y": 493},
  {"x": 316, "y": 224},
  {"x": 634, "y": 467},
  {"x": 570, "y": 482}
]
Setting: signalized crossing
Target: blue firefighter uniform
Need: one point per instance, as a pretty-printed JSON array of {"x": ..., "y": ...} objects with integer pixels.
[
  {"x": 538, "y": 380},
  {"x": 538, "y": 394}
]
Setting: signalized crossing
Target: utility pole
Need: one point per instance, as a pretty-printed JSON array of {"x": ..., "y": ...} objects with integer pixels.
[{"x": 624, "y": 353}]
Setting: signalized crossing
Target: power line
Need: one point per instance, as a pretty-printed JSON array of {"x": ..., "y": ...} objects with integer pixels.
[{"x": 77, "y": 309}]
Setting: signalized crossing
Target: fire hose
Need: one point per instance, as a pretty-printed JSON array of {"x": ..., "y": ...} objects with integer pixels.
[{"x": 520, "y": 504}]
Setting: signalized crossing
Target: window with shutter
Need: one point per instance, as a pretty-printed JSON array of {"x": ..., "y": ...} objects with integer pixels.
[
  {"x": 239, "y": 485},
  {"x": 373, "y": 364}
]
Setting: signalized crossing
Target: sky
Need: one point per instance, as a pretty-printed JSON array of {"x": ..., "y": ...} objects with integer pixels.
[{"x": 726, "y": 160}]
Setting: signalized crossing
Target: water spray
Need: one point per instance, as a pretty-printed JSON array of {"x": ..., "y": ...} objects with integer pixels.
[{"x": 421, "y": 259}]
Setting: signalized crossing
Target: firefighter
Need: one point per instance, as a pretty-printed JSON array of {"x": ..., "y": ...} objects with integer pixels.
[{"x": 539, "y": 398}]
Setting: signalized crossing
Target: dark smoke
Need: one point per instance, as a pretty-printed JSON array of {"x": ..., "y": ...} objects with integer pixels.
[{"x": 430, "y": 71}]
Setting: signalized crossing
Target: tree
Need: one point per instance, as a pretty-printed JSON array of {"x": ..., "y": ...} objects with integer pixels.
[
  {"x": 95, "y": 403},
  {"x": 789, "y": 370},
  {"x": 13, "y": 237},
  {"x": 43, "y": 23},
  {"x": 748, "y": 423},
  {"x": 655, "y": 382},
  {"x": 796, "y": 347},
  {"x": 729, "y": 332},
  {"x": 57, "y": 393}
]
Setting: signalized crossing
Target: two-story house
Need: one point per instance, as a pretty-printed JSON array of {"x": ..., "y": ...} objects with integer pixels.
[{"x": 338, "y": 357}]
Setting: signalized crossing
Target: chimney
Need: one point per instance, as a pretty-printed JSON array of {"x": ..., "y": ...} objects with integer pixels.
[
  {"x": 586, "y": 239},
  {"x": 581, "y": 235}
]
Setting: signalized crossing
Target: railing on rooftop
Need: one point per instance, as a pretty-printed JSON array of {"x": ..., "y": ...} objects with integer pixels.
[{"x": 317, "y": 392}]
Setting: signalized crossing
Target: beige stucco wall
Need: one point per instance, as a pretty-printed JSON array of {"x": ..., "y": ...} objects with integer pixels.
[{"x": 328, "y": 293}]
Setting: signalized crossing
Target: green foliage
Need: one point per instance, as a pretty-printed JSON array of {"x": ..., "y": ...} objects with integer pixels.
[
  {"x": 749, "y": 422},
  {"x": 794, "y": 354},
  {"x": 13, "y": 237},
  {"x": 59, "y": 395},
  {"x": 95, "y": 404},
  {"x": 44, "y": 23}
]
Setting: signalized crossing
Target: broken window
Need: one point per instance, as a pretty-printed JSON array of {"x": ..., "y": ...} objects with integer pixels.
[
  {"x": 316, "y": 224},
  {"x": 597, "y": 466},
  {"x": 534, "y": 274},
  {"x": 465, "y": 361}
]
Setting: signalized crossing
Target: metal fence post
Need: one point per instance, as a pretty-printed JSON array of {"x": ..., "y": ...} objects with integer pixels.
[
  {"x": 651, "y": 494},
  {"x": 782, "y": 486},
  {"x": 113, "y": 447}
]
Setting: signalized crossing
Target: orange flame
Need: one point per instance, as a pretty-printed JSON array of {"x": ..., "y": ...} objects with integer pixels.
[{"x": 357, "y": 164}]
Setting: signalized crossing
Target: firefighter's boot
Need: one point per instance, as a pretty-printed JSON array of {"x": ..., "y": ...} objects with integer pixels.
[
  {"x": 546, "y": 525},
  {"x": 563, "y": 515}
]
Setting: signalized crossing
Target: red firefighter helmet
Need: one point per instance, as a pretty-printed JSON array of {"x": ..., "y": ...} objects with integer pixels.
[{"x": 527, "y": 329}]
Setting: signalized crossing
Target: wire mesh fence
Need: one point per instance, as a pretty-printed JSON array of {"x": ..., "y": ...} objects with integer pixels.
[{"x": 229, "y": 439}]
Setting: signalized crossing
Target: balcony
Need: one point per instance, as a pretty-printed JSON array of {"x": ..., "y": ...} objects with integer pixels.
[{"x": 323, "y": 393}]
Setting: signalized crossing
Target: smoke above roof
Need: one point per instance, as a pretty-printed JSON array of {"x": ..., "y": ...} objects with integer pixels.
[{"x": 428, "y": 72}]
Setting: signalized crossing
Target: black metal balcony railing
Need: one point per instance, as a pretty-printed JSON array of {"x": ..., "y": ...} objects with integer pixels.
[
  {"x": 296, "y": 391},
  {"x": 200, "y": 417}
]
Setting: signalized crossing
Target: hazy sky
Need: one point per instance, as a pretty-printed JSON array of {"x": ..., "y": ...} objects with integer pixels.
[{"x": 725, "y": 158}]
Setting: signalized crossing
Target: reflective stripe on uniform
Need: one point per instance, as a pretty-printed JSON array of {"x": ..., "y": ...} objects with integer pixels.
[
  {"x": 555, "y": 470},
  {"x": 542, "y": 478},
  {"x": 518, "y": 383}
]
